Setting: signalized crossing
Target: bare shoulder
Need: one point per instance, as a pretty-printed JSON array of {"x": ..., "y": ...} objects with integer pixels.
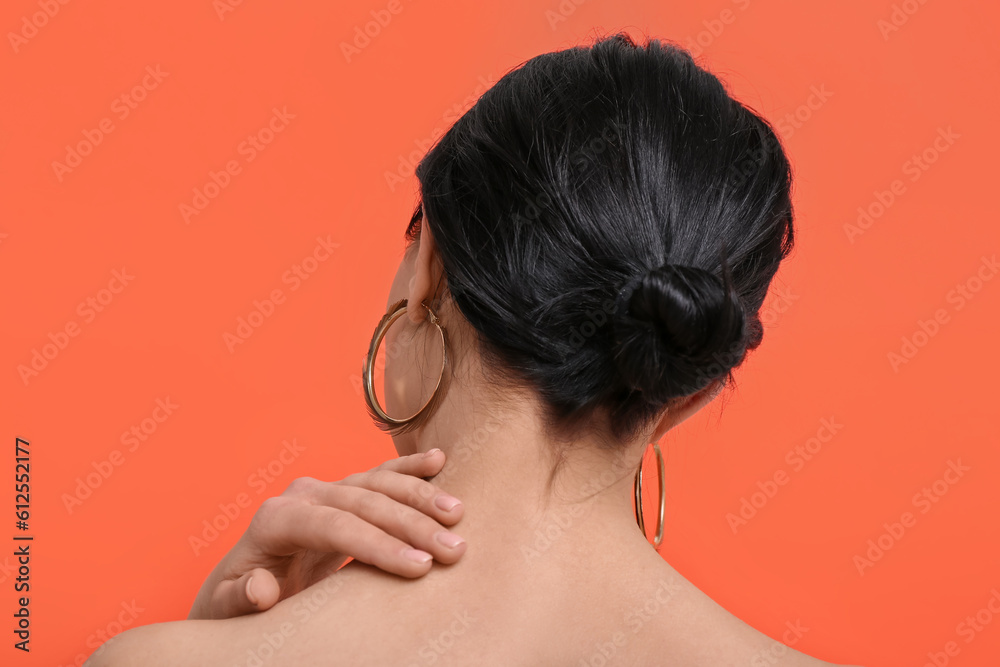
[
  {"x": 649, "y": 614},
  {"x": 170, "y": 644},
  {"x": 699, "y": 631},
  {"x": 300, "y": 630}
]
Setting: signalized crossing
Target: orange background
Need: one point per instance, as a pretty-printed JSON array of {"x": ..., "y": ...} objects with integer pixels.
[{"x": 846, "y": 300}]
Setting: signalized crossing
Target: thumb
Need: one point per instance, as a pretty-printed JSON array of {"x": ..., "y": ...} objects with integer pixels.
[{"x": 255, "y": 591}]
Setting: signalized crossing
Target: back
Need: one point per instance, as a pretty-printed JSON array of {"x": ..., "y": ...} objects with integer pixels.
[{"x": 554, "y": 615}]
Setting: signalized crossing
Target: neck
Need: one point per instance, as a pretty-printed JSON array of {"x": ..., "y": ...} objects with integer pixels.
[{"x": 500, "y": 465}]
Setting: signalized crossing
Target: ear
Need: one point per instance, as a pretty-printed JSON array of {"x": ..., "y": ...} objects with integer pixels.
[
  {"x": 691, "y": 405},
  {"x": 427, "y": 272}
]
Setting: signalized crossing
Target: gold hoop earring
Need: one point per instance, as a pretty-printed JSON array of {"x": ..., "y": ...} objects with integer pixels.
[
  {"x": 382, "y": 419},
  {"x": 637, "y": 487}
]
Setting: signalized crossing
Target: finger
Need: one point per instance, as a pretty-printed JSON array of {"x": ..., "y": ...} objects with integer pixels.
[
  {"x": 288, "y": 524},
  {"x": 330, "y": 529},
  {"x": 417, "y": 493},
  {"x": 410, "y": 524},
  {"x": 255, "y": 591},
  {"x": 421, "y": 464},
  {"x": 402, "y": 506}
]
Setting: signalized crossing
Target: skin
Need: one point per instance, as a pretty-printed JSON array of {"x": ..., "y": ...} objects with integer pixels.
[{"x": 552, "y": 572}]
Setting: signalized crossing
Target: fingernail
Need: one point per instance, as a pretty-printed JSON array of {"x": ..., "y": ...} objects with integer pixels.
[
  {"x": 446, "y": 502},
  {"x": 417, "y": 556},
  {"x": 250, "y": 594},
  {"x": 450, "y": 540},
  {"x": 431, "y": 452}
]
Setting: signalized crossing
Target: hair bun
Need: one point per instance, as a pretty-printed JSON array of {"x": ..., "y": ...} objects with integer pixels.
[{"x": 677, "y": 329}]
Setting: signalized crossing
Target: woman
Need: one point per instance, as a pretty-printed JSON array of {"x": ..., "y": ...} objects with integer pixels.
[{"x": 585, "y": 270}]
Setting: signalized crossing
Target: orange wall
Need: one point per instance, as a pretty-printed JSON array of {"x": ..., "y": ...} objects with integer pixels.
[{"x": 860, "y": 91}]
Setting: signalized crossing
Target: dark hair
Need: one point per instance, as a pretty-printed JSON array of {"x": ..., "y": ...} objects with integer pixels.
[{"x": 609, "y": 220}]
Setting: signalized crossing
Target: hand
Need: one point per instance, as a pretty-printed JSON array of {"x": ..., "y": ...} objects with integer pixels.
[{"x": 387, "y": 517}]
